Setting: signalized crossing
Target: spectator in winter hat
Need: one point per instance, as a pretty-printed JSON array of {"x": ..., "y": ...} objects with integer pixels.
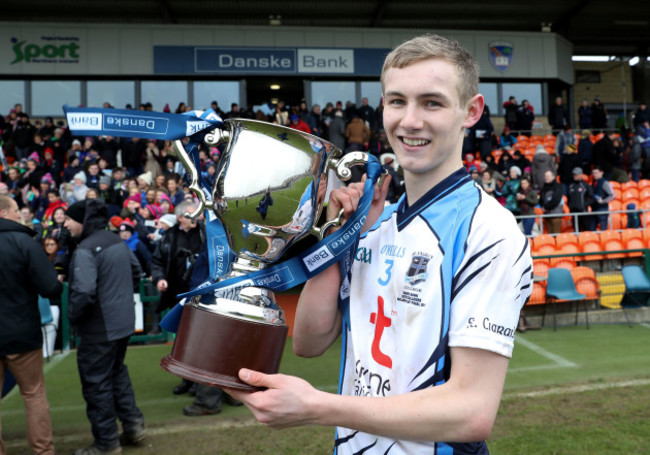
[
  {"x": 75, "y": 191},
  {"x": 165, "y": 203},
  {"x": 114, "y": 223},
  {"x": 47, "y": 178},
  {"x": 34, "y": 157},
  {"x": 145, "y": 180}
]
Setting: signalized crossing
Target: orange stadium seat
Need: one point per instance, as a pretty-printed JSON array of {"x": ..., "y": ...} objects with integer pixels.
[
  {"x": 582, "y": 271},
  {"x": 629, "y": 193},
  {"x": 616, "y": 204},
  {"x": 633, "y": 240},
  {"x": 566, "y": 237},
  {"x": 587, "y": 236},
  {"x": 626, "y": 202},
  {"x": 614, "y": 184},
  {"x": 609, "y": 235},
  {"x": 544, "y": 250},
  {"x": 540, "y": 267},
  {"x": 565, "y": 263},
  {"x": 617, "y": 193},
  {"x": 589, "y": 287},
  {"x": 645, "y": 219},
  {"x": 543, "y": 239},
  {"x": 567, "y": 248},
  {"x": 643, "y": 183},
  {"x": 612, "y": 243},
  {"x": 644, "y": 193},
  {"x": 646, "y": 235},
  {"x": 522, "y": 140},
  {"x": 618, "y": 220},
  {"x": 593, "y": 248},
  {"x": 538, "y": 295},
  {"x": 630, "y": 184}
]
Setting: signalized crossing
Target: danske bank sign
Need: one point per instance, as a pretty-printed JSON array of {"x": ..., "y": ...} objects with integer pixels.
[{"x": 273, "y": 60}]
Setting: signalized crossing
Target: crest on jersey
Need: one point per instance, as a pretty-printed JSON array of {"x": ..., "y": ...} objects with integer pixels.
[
  {"x": 500, "y": 55},
  {"x": 417, "y": 272}
]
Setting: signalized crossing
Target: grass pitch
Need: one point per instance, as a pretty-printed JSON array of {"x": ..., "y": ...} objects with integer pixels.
[{"x": 574, "y": 391}]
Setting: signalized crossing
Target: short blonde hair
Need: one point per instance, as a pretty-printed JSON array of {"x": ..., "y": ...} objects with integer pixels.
[{"x": 431, "y": 46}]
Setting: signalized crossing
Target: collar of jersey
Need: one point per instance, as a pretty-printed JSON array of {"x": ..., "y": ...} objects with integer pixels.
[{"x": 406, "y": 213}]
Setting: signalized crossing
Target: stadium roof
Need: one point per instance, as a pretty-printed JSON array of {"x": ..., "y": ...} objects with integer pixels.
[{"x": 595, "y": 27}]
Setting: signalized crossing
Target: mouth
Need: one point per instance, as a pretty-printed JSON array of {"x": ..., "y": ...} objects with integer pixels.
[{"x": 414, "y": 142}]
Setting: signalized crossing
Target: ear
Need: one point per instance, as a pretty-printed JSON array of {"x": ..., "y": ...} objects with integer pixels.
[{"x": 474, "y": 110}]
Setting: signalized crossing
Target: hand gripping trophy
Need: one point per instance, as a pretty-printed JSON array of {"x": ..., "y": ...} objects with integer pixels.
[{"x": 270, "y": 190}]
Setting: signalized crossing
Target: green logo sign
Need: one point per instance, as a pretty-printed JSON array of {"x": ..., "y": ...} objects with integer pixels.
[{"x": 48, "y": 53}]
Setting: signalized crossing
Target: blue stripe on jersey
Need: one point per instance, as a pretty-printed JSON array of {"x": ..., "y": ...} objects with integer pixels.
[
  {"x": 523, "y": 250},
  {"x": 438, "y": 353},
  {"x": 407, "y": 213},
  {"x": 471, "y": 260},
  {"x": 340, "y": 441},
  {"x": 460, "y": 201}
]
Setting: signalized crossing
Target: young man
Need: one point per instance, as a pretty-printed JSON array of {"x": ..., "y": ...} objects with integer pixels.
[{"x": 428, "y": 320}]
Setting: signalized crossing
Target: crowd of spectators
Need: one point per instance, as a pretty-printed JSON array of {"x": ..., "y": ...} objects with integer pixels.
[
  {"x": 574, "y": 171},
  {"x": 46, "y": 169}
]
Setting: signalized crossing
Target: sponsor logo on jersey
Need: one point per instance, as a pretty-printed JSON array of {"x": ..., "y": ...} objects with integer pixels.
[
  {"x": 364, "y": 255},
  {"x": 368, "y": 382},
  {"x": 381, "y": 321}
]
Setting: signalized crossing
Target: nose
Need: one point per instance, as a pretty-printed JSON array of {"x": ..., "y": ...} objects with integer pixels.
[{"x": 411, "y": 120}]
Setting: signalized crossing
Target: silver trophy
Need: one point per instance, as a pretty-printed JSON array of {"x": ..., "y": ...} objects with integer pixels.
[{"x": 269, "y": 193}]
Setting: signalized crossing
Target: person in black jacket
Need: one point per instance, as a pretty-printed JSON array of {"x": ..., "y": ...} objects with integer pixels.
[
  {"x": 25, "y": 272},
  {"x": 173, "y": 261},
  {"x": 102, "y": 274},
  {"x": 551, "y": 201},
  {"x": 175, "y": 254}
]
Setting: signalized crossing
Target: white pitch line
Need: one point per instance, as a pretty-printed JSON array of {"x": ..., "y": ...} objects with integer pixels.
[
  {"x": 578, "y": 389},
  {"x": 558, "y": 362},
  {"x": 333, "y": 388}
]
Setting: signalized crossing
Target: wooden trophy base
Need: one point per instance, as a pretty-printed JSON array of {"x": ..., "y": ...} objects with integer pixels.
[{"x": 210, "y": 348}]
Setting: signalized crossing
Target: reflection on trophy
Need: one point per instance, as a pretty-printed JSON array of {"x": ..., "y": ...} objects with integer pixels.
[{"x": 269, "y": 193}]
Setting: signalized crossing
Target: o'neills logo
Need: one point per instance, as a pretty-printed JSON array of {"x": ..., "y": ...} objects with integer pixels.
[{"x": 60, "y": 49}]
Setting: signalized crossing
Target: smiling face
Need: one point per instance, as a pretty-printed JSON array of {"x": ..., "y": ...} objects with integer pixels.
[{"x": 425, "y": 120}]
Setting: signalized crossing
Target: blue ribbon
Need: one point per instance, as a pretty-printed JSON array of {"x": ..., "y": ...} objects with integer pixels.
[
  {"x": 88, "y": 121},
  {"x": 310, "y": 263}
]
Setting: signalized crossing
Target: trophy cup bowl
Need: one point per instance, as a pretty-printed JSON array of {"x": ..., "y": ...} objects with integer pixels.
[{"x": 269, "y": 193}]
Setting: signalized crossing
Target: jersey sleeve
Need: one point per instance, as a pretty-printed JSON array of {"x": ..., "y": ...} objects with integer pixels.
[{"x": 492, "y": 283}]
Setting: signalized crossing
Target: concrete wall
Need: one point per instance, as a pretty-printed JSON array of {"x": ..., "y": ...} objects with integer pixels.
[{"x": 125, "y": 50}]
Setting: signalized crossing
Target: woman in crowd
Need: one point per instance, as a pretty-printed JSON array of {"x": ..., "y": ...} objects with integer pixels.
[{"x": 527, "y": 199}]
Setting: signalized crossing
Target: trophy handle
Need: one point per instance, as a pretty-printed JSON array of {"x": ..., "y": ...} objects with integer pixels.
[
  {"x": 342, "y": 168},
  {"x": 194, "y": 181}
]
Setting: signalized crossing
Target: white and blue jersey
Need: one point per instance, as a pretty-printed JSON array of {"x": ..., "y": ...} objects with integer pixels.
[{"x": 451, "y": 270}]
